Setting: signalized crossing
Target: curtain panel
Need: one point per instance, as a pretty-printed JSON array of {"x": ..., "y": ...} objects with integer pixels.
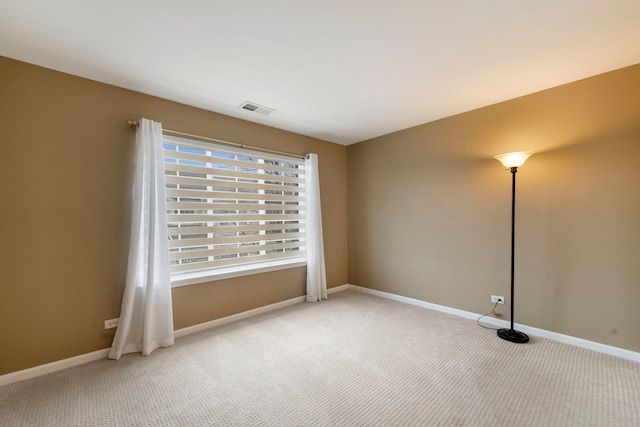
[
  {"x": 316, "y": 273},
  {"x": 146, "y": 317}
]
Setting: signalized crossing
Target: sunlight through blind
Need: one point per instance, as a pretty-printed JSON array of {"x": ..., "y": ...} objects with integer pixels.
[{"x": 231, "y": 207}]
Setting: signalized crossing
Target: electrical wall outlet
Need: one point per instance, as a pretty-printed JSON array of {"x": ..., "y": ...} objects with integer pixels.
[
  {"x": 111, "y": 323},
  {"x": 497, "y": 298}
]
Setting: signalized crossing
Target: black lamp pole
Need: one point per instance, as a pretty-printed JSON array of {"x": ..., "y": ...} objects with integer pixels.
[{"x": 511, "y": 334}]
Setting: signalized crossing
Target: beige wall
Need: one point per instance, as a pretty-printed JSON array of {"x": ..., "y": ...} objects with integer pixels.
[
  {"x": 429, "y": 210},
  {"x": 66, "y": 163}
]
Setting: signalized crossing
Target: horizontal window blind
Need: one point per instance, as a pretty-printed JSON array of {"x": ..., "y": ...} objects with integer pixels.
[{"x": 231, "y": 207}]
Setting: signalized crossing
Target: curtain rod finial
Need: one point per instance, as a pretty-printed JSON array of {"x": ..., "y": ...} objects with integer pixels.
[{"x": 133, "y": 124}]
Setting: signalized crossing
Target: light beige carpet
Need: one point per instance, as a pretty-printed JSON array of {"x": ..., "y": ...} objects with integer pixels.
[{"x": 355, "y": 360}]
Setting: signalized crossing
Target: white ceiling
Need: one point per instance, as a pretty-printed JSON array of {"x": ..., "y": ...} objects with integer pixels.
[{"x": 339, "y": 70}]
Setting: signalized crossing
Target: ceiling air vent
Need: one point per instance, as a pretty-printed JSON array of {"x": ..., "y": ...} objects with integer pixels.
[{"x": 252, "y": 106}]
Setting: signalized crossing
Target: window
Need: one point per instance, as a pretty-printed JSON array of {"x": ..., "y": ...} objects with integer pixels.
[{"x": 230, "y": 211}]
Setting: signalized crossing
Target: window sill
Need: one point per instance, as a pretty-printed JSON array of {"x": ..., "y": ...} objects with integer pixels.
[{"x": 185, "y": 279}]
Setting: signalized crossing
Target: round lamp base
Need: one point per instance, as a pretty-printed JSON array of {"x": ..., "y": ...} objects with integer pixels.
[{"x": 513, "y": 335}]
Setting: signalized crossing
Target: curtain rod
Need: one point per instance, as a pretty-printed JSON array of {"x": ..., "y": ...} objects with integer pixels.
[{"x": 134, "y": 126}]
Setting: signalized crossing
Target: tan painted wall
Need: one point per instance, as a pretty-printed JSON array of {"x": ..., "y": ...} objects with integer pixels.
[
  {"x": 429, "y": 210},
  {"x": 66, "y": 164}
]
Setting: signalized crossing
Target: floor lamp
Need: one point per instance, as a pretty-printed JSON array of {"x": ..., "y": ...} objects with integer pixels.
[{"x": 512, "y": 161}]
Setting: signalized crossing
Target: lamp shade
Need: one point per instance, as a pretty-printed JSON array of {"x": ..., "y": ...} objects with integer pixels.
[{"x": 514, "y": 160}]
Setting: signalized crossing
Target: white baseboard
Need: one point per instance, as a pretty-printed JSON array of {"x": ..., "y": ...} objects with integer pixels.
[
  {"x": 246, "y": 314},
  {"x": 337, "y": 289},
  {"x": 235, "y": 317},
  {"x": 59, "y": 365},
  {"x": 542, "y": 333}
]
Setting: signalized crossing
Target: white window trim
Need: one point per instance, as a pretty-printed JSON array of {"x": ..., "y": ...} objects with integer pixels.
[{"x": 192, "y": 278}]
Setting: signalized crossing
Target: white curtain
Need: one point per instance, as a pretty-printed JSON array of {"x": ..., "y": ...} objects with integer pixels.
[
  {"x": 316, "y": 274},
  {"x": 146, "y": 317}
]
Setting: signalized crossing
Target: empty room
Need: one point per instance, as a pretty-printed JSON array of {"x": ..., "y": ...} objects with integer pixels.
[{"x": 320, "y": 213}]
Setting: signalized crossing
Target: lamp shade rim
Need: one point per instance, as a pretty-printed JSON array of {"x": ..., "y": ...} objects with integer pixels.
[{"x": 515, "y": 159}]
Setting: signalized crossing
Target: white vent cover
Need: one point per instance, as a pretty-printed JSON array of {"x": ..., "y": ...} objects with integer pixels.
[{"x": 252, "y": 106}]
